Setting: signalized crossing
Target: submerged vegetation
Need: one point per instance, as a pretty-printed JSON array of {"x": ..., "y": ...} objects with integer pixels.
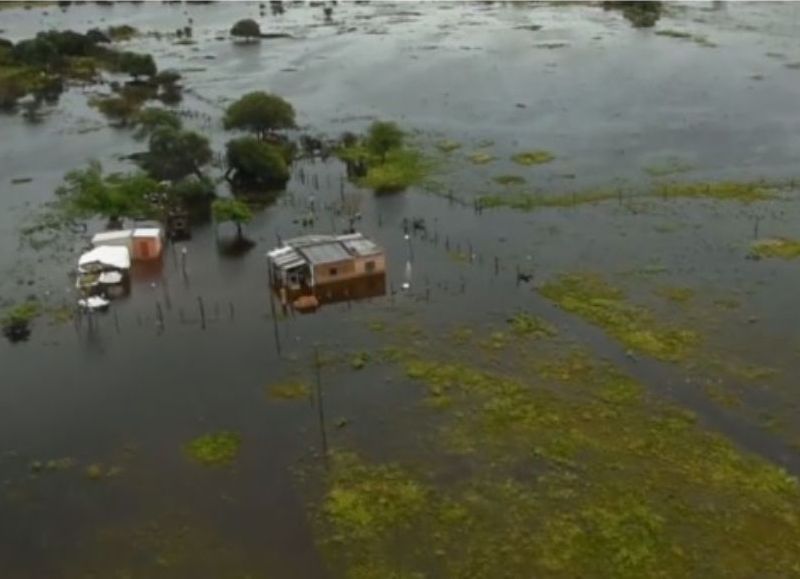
[
  {"x": 659, "y": 501},
  {"x": 538, "y": 157},
  {"x": 289, "y": 390},
  {"x": 523, "y": 201},
  {"x": 778, "y": 247},
  {"x": 382, "y": 161},
  {"x": 592, "y": 298},
  {"x": 15, "y": 321},
  {"x": 721, "y": 190},
  {"x": 215, "y": 449}
]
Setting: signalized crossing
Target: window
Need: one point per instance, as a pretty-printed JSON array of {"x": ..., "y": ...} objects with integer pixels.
[
  {"x": 332, "y": 271},
  {"x": 369, "y": 266}
]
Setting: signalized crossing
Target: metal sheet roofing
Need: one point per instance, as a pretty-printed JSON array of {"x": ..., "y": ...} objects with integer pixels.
[
  {"x": 330, "y": 252},
  {"x": 361, "y": 247}
]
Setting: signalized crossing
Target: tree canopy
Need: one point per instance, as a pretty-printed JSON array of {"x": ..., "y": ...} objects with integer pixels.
[
  {"x": 247, "y": 28},
  {"x": 174, "y": 154},
  {"x": 232, "y": 210},
  {"x": 88, "y": 193},
  {"x": 382, "y": 137},
  {"x": 255, "y": 162},
  {"x": 261, "y": 113},
  {"x": 148, "y": 120}
]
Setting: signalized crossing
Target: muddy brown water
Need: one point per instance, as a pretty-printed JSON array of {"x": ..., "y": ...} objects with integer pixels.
[{"x": 120, "y": 390}]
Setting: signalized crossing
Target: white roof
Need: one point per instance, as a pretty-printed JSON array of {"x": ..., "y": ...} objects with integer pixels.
[
  {"x": 147, "y": 232},
  {"x": 114, "y": 256},
  {"x": 110, "y": 236}
]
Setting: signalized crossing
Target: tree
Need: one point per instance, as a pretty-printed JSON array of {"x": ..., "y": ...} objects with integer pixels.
[
  {"x": 174, "y": 154},
  {"x": 261, "y": 113},
  {"x": 382, "y": 137},
  {"x": 232, "y": 210},
  {"x": 247, "y": 29},
  {"x": 87, "y": 193},
  {"x": 255, "y": 162},
  {"x": 148, "y": 120}
]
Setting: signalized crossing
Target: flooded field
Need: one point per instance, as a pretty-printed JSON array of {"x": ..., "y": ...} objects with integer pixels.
[{"x": 582, "y": 359}]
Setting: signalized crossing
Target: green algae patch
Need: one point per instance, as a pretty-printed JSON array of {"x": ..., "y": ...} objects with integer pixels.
[
  {"x": 289, "y": 390},
  {"x": 718, "y": 190},
  {"x": 592, "y": 298},
  {"x": 537, "y": 157},
  {"x": 509, "y": 180},
  {"x": 480, "y": 158},
  {"x": 215, "y": 449},
  {"x": 523, "y": 324},
  {"x": 780, "y": 247},
  {"x": 523, "y": 201},
  {"x": 448, "y": 145}
]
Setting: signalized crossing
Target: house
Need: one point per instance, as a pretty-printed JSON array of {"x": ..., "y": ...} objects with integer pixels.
[
  {"x": 103, "y": 271},
  {"x": 328, "y": 268},
  {"x": 143, "y": 243}
]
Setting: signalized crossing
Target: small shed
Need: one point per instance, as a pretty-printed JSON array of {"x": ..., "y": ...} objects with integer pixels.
[
  {"x": 147, "y": 244},
  {"x": 105, "y": 258},
  {"x": 120, "y": 237}
]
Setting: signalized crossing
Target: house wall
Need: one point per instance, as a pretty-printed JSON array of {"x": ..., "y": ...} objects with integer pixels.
[
  {"x": 378, "y": 264},
  {"x": 337, "y": 271}
]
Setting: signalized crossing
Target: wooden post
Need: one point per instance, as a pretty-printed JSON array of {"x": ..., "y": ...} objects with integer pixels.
[
  {"x": 202, "y": 312},
  {"x": 320, "y": 406},
  {"x": 274, "y": 322}
]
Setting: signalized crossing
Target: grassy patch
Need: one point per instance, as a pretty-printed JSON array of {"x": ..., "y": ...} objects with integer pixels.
[
  {"x": 592, "y": 298},
  {"x": 401, "y": 169},
  {"x": 523, "y": 324},
  {"x": 22, "y": 313},
  {"x": 509, "y": 179},
  {"x": 359, "y": 360},
  {"x": 289, "y": 390},
  {"x": 777, "y": 248},
  {"x": 215, "y": 449},
  {"x": 537, "y": 157},
  {"x": 720, "y": 190}
]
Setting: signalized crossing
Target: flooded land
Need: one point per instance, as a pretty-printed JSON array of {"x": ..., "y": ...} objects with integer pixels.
[{"x": 564, "y": 344}]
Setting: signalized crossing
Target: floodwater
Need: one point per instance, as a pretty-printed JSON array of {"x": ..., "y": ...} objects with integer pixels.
[{"x": 128, "y": 390}]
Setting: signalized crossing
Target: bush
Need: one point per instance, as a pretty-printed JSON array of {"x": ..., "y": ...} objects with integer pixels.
[
  {"x": 151, "y": 119},
  {"x": 232, "y": 210},
  {"x": 192, "y": 191},
  {"x": 261, "y": 113},
  {"x": 247, "y": 29},
  {"x": 116, "y": 108},
  {"x": 257, "y": 163}
]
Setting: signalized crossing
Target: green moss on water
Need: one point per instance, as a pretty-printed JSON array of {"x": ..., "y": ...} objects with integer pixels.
[
  {"x": 22, "y": 313},
  {"x": 780, "y": 247},
  {"x": 509, "y": 179},
  {"x": 592, "y": 298},
  {"x": 214, "y": 449},
  {"x": 744, "y": 192},
  {"x": 673, "y": 33},
  {"x": 289, "y": 390},
  {"x": 537, "y": 157}
]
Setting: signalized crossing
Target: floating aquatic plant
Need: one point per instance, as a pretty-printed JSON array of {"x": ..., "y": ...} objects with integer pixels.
[
  {"x": 537, "y": 157},
  {"x": 215, "y": 449}
]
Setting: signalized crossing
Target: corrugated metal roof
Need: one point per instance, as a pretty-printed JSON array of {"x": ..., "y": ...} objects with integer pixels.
[
  {"x": 325, "y": 253},
  {"x": 286, "y": 258},
  {"x": 361, "y": 247}
]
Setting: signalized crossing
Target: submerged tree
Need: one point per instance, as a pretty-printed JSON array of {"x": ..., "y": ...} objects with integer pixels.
[
  {"x": 383, "y": 137},
  {"x": 641, "y": 14},
  {"x": 174, "y": 154},
  {"x": 232, "y": 210},
  {"x": 88, "y": 193},
  {"x": 149, "y": 120},
  {"x": 261, "y": 113},
  {"x": 253, "y": 162},
  {"x": 247, "y": 29}
]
